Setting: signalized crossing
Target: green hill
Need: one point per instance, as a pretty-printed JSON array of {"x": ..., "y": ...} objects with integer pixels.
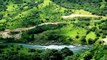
[
  {"x": 89, "y": 16},
  {"x": 47, "y": 22}
]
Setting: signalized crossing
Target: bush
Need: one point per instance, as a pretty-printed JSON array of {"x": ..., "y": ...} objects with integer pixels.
[
  {"x": 66, "y": 52},
  {"x": 51, "y": 55}
]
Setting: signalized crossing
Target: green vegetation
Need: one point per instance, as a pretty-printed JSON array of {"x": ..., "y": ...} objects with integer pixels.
[
  {"x": 97, "y": 53},
  {"x": 13, "y": 52},
  {"x": 16, "y": 14},
  {"x": 97, "y": 7},
  {"x": 53, "y": 22}
]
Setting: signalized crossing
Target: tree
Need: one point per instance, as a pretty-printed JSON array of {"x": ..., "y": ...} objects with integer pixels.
[
  {"x": 51, "y": 55},
  {"x": 66, "y": 52},
  {"x": 90, "y": 37}
]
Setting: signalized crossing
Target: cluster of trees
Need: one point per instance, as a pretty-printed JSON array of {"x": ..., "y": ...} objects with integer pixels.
[
  {"x": 76, "y": 32},
  {"x": 13, "y": 52},
  {"x": 97, "y": 7},
  {"x": 24, "y": 13},
  {"x": 68, "y": 34},
  {"x": 13, "y": 11},
  {"x": 96, "y": 53}
]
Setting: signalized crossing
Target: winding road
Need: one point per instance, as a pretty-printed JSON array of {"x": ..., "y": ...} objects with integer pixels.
[
  {"x": 54, "y": 23},
  {"x": 28, "y": 28},
  {"x": 81, "y": 15},
  {"x": 7, "y": 32}
]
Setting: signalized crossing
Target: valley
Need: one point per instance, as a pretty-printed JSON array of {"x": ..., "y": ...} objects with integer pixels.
[{"x": 53, "y": 30}]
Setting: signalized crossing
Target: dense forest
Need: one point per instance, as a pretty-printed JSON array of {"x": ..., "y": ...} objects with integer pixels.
[{"x": 53, "y": 22}]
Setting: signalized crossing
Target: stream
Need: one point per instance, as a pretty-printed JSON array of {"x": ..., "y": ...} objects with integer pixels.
[{"x": 74, "y": 48}]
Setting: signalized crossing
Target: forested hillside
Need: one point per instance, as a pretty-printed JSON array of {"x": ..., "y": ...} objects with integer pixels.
[{"x": 47, "y": 22}]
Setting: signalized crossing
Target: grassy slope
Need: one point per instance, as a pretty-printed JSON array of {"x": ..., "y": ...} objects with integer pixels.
[
  {"x": 27, "y": 13},
  {"x": 83, "y": 30}
]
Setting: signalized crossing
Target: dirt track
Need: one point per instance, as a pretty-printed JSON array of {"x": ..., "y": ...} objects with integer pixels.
[{"x": 81, "y": 15}]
